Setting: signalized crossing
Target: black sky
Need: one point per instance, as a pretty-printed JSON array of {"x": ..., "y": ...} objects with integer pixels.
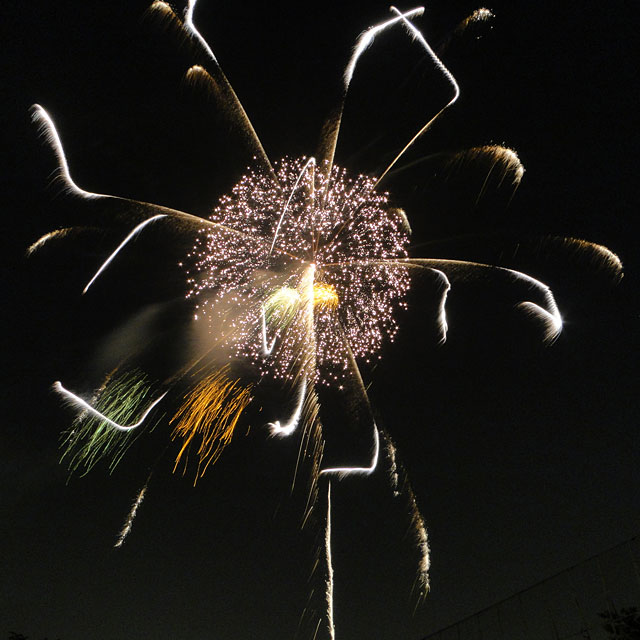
[{"x": 523, "y": 457}]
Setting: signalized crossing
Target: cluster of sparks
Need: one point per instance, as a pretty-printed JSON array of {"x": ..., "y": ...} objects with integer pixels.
[
  {"x": 301, "y": 271},
  {"x": 211, "y": 411},
  {"x": 302, "y": 257}
]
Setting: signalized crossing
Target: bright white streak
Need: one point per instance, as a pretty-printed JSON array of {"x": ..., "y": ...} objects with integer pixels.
[
  {"x": 551, "y": 316},
  {"x": 266, "y": 350},
  {"x": 310, "y": 161},
  {"x": 329, "y": 560},
  {"x": 342, "y": 472},
  {"x": 417, "y": 35},
  {"x": 135, "y": 230},
  {"x": 48, "y": 130},
  {"x": 188, "y": 22},
  {"x": 81, "y": 404},
  {"x": 366, "y": 38},
  {"x": 290, "y": 426},
  {"x": 442, "y": 314}
]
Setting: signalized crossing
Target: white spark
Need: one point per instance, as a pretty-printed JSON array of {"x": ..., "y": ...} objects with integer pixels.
[{"x": 81, "y": 404}]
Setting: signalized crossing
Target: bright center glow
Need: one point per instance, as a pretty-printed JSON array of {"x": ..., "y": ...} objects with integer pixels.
[
  {"x": 303, "y": 259},
  {"x": 325, "y": 296}
]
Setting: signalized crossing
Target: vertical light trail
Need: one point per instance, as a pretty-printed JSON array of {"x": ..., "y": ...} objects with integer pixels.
[
  {"x": 421, "y": 538},
  {"x": 266, "y": 347},
  {"x": 329, "y": 560},
  {"x": 442, "y": 313}
]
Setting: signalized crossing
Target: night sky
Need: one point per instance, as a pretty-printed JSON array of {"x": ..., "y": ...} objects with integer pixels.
[{"x": 523, "y": 457}]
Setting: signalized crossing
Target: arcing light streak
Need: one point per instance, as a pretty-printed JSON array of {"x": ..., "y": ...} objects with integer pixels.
[
  {"x": 131, "y": 235},
  {"x": 416, "y": 33},
  {"x": 550, "y": 316},
  {"x": 442, "y": 314},
  {"x": 81, "y": 404},
  {"x": 366, "y": 40},
  {"x": 266, "y": 348},
  {"x": 310, "y": 162},
  {"x": 342, "y": 472},
  {"x": 48, "y": 130},
  {"x": 447, "y": 74},
  {"x": 57, "y": 234},
  {"x": 122, "y": 396},
  {"x": 136, "y": 208},
  {"x": 188, "y": 21},
  {"x": 289, "y": 427},
  {"x": 331, "y": 127}
]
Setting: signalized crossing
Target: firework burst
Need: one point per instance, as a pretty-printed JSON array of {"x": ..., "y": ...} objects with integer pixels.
[
  {"x": 300, "y": 272},
  {"x": 307, "y": 254}
]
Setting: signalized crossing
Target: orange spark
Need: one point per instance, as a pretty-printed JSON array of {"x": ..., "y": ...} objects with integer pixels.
[{"x": 211, "y": 411}]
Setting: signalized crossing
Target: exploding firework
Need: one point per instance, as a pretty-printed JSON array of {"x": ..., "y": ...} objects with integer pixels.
[
  {"x": 301, "y": 273},
  {"x": 303, "y": 256}
]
